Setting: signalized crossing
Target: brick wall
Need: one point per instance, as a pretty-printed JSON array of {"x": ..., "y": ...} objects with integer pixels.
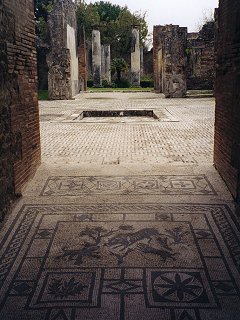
[
  {"x": 19, "y": 122},
  {"x": 227, "y": 126},
  {"x": 201, "y": 58}
]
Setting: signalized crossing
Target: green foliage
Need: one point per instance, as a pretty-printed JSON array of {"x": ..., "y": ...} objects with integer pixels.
[
  {"x": 115, "y": 24},
  {"x": 42, "y": 95},
  {"x": 90, "y": 83},
  {"x": 122, "y": 83},
  {"x": 88, "y": 16},
  {"x": 42, "y": 9},
  {"x": 118, "y": 65},
  {"x": 107, "y": 11},
  {"x": 147, "y": 84},
  {"x": 147, "y": 77},
  {"x": 105, "y": 84}
]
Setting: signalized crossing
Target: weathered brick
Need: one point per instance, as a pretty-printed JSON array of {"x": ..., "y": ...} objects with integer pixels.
[
  {"x": 201, "y": 58},
  {"x": 18, "y": 159},
  {"x": 227, "y": 123}
]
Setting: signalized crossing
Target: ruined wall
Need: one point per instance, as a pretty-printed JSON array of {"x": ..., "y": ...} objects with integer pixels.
[
  {"x": 169, "y": 56},
  {"x": 227, "y": 123},
  {"x": 63, "y": 80},
  {"x": 201, "y": 58},
  {"x": 19, "y": 121}
]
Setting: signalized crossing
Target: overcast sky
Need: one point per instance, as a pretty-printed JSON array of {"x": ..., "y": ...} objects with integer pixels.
[{"x": 186, "y": 13}]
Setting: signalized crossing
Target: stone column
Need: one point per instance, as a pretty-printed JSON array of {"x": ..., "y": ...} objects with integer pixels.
[
  {"x": 82, "y": 56},
  {"x": 96, "y": 58},
  {"x": 141, "y": 61},
  {"x": 158, "y": 36},
  {"x": 106, "y": 63},
  {"x": 135, "y": 58}
]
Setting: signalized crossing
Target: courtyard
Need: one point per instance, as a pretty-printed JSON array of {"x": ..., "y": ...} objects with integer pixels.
[
  {"x": 182, "y": 134},
  {"x": 126, "y": 218},
  {"x": 119, "y": 160}
]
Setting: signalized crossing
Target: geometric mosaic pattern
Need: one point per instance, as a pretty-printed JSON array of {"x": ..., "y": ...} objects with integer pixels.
[
  {"x": 161, "y": 184},
  {"x": 121, "y": 261}
]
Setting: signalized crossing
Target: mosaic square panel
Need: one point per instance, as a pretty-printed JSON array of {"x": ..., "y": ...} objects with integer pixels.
[
  {"x": 181, "y": 288},
  {"x": 67, "y": 287}
]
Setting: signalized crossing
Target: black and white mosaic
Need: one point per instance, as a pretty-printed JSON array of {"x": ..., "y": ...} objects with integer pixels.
[
  {"x": 121, "y": 261},
  {"x": 139, "y": 185}
]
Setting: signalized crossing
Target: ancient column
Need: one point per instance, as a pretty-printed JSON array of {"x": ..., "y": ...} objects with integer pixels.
[
  {"x": 82, "y": 56},
  {"x": 96, "y": 58},
  {"x": 106, "y": 63},
  {"x": 135, "y": 58},
  {"x": 141, "y": 61},
  {"x": 158, "y": 37}
]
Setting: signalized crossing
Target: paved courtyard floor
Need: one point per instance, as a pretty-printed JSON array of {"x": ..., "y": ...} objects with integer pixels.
[{"x": 125, "y": 219}]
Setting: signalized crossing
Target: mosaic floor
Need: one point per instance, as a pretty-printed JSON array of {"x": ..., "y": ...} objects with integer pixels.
[
  {"x": 121, "y": 261},
  {"x": 183, "y": 184},
  {"x": 182, "y": 134},
  {"x": 123, "y": 221}
]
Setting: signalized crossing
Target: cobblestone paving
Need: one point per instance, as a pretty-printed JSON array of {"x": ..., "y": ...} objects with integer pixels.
[{"x": 186, "y": 138}]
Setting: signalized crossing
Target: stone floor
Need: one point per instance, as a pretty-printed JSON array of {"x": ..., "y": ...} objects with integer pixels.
[{"x": 125, "y": 219}]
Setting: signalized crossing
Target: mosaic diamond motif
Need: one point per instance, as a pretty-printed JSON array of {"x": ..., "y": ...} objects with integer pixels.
[
  {"x": 73, "y": 186},
  {"x": 122, "y": 286}
]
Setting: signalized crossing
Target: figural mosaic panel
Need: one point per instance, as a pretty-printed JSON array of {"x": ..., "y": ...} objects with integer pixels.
[{"x": 121, "y": 261}]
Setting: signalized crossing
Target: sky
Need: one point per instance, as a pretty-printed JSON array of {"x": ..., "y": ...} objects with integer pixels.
[{"x": 186, "y": 13}]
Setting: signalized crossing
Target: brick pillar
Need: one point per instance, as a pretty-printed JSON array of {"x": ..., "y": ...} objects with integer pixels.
[
  {"x": 227, "y": 92},
  {"x": 19, "y": 120}
]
